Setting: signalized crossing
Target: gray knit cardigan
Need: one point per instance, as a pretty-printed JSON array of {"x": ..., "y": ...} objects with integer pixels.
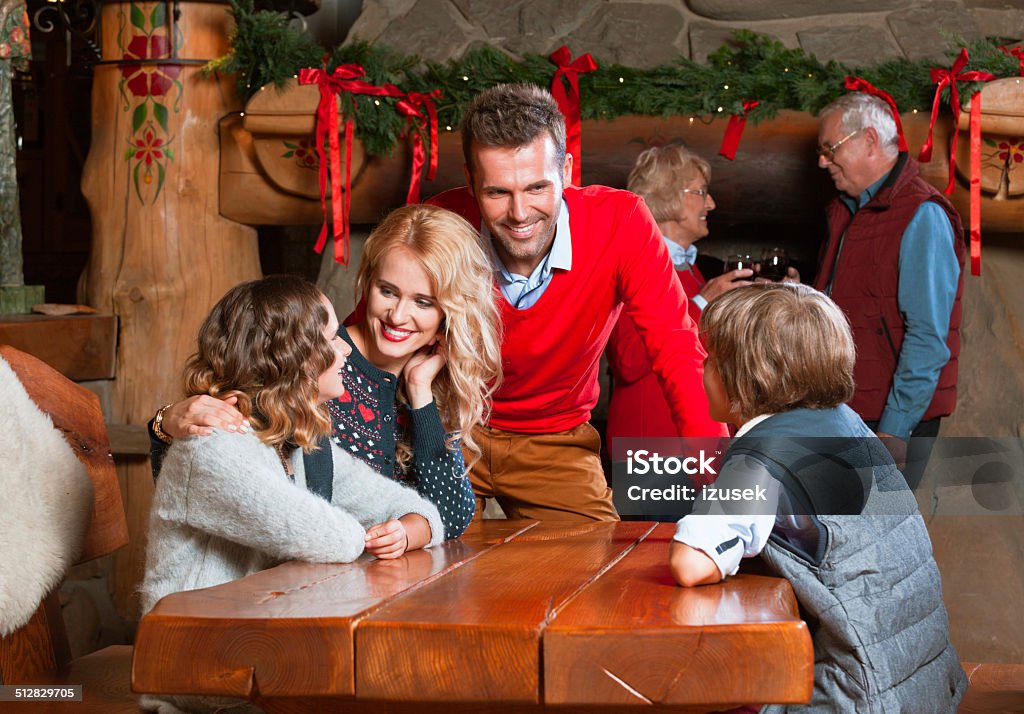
[{"x": 224, "y": 508}]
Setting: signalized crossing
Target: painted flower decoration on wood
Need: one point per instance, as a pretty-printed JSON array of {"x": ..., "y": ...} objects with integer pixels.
[
  {"x": 145, "y": 79},
  {"x": 1011, "y": 150}
]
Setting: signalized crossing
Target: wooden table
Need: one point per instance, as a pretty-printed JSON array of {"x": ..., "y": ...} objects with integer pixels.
[{"x": 513, "y": 616}]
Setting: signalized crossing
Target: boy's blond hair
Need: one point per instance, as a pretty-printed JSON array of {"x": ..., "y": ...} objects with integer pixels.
[{"x": 779, "y": 346}]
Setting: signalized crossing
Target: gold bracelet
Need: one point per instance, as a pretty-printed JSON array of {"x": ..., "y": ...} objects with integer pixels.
[{"x": 158, "y": 424}]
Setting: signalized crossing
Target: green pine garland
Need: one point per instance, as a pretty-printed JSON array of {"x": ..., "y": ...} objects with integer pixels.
[{"x": 265, "y": 49}]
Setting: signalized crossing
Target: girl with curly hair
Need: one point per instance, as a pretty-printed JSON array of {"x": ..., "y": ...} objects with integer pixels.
[{"x": 231, "y": 503}]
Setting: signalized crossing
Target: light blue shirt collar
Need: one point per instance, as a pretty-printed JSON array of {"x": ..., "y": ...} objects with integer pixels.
[{"x": 682, "y": 258}]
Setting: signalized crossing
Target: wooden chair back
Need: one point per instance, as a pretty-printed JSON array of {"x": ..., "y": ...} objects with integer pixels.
[{"x": 40, "y": 646}]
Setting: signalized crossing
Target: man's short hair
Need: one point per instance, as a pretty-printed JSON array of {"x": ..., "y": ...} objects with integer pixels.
[
  {"x": 660, "y": 172},
  {"x": 860, "y": 111},
  {"x": 511, "y": 116},
  {"x": 779, "y": 346}
]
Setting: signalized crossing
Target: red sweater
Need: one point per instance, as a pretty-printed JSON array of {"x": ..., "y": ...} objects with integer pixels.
[
  {"x": 552, "y": 350},
  {"x": 638, "y": 407}
]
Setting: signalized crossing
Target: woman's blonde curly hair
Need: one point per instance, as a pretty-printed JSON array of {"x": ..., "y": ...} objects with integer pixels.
[
  {"x": 450, "y": 252},
  {"x": 263, "y": 342}
]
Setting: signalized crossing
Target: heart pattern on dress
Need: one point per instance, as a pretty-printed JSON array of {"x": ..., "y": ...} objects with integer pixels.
[{"x": 366, "y": 413}]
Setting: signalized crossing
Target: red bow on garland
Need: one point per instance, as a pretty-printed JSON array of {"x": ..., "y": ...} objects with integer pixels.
[
  {"x": 734, "y": 130},
  {"x": 1015, "y": 52},
  {"x": 346, "y": 78},
  {"x": 857, "y": 84},
  {"x": 569, "y": 102},
  {"x": 411, "y": 107},
  {"x": 950, "y": 77}
]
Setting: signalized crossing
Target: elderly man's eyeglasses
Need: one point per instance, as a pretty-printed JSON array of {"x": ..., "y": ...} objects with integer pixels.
[
  {"x": 828, "y": 152},
  {"x": 701, "y": 192}
]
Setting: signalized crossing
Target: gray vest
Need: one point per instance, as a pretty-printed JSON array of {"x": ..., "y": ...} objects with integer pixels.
[{"x": 871, "y": 593}]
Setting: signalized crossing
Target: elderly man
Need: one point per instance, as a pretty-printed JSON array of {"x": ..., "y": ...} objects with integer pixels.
[
  {"x": 894, "y": 263},
  {"x": 566, "y": 260}
]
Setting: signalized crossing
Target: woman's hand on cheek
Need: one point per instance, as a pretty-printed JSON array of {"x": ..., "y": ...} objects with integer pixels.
[
  {"x": 387, "y": 540},
  {"x": 421, "y": 370}
]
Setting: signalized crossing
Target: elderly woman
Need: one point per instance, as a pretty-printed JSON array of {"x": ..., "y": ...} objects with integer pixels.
[{"x": 674, "y": 183}]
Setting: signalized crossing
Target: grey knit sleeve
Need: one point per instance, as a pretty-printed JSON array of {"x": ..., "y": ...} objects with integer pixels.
[
  {"x": 372, "y": 498},
  {"x": 234, "y": 487}
]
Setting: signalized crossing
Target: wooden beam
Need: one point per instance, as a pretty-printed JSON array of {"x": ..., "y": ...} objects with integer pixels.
[{"x": 80, "y": 347}]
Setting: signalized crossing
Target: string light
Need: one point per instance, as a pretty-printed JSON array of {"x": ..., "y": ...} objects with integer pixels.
[
  {"x": 725, "y": 86},
  {"x": 465, "y": 78},
  {"x": 721, "y": 109},
  {"x": 376, "y": 102},
  {"x": 448, "y": 127},
  {"x": 622, "y": 80},
  {"x": 785, "y": 69},
  {"x": 691, "y": 120}
]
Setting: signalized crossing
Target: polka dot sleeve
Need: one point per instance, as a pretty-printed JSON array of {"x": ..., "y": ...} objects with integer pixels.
[{"x": 439, "y": 472}]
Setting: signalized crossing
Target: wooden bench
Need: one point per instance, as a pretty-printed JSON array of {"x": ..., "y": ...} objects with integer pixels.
[{"x": 38, "y": 653}]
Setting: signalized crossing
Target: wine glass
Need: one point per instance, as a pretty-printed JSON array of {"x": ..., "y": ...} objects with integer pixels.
[
  {"x": 774, "y": 264},
  {"x": 738, "y": 261}
]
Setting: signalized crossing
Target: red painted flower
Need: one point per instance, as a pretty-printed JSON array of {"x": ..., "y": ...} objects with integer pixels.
[
  {"x": 305, "y": 153},
  {"x": 1012, "y": 150},
  {"x": 148, "y": 79},
  {"x": 148, "y": 149}
]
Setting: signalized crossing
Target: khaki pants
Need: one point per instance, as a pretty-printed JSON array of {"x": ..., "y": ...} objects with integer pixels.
[{"x": 543, "y": 476}]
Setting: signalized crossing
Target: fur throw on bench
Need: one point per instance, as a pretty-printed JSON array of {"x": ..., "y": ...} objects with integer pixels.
[{"x": 45, "y": 504}]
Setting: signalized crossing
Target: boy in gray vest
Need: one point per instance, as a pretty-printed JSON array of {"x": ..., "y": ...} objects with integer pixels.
[{"x": 835, "y": 517}]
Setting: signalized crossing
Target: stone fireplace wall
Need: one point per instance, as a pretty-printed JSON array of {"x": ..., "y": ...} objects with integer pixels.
[{"x": 648, "y": 32}]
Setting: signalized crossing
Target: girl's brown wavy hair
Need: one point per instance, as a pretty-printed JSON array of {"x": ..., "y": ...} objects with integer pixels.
[{"x": 263, "y": 342}]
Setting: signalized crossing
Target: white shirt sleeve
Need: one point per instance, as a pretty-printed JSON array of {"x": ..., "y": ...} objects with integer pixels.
[{"x": 727, "y": 538}]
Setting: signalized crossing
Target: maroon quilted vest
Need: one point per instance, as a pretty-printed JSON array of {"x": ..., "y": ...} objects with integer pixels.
[{"x": 866, "y": 285}]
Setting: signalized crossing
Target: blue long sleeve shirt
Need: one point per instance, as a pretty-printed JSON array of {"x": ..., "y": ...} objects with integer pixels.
[{"x": 928, "y": 275}]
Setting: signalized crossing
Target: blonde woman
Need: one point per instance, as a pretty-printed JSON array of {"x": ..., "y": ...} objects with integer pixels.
[{"x": 426, "y": 357}]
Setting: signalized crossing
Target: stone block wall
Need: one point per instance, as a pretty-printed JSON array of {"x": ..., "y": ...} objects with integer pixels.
[{"x": 644, "y": 33}]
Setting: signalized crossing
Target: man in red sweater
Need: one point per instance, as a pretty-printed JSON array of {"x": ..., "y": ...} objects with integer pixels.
[{"x": 567, "y": 261}]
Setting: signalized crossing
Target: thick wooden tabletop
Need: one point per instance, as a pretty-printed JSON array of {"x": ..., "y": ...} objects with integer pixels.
[{"x": 516, "y": 613}]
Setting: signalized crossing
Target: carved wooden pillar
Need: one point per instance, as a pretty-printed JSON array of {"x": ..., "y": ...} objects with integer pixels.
[{"x": 161, "y": 253}]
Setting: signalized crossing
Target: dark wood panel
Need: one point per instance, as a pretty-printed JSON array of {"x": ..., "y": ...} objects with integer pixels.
[
  {"x": 475, "y": 635},
  {"x": 635, "y": 637},
  {"x": 287, "y": 631}
]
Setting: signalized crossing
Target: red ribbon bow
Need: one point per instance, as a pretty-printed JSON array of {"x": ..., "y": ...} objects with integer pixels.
[
  {"x": 950, "y": 77},
  {"x": 1015, "y": 52},
  {"x": 569, "y": 102},
  {"x": 346, "y": 78},
  {"x": 857, "y": 84},
  {"x": 327, "y": 128},
  {"x": 734, "y": 130},
  {"x": 411, "y": 108}
]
